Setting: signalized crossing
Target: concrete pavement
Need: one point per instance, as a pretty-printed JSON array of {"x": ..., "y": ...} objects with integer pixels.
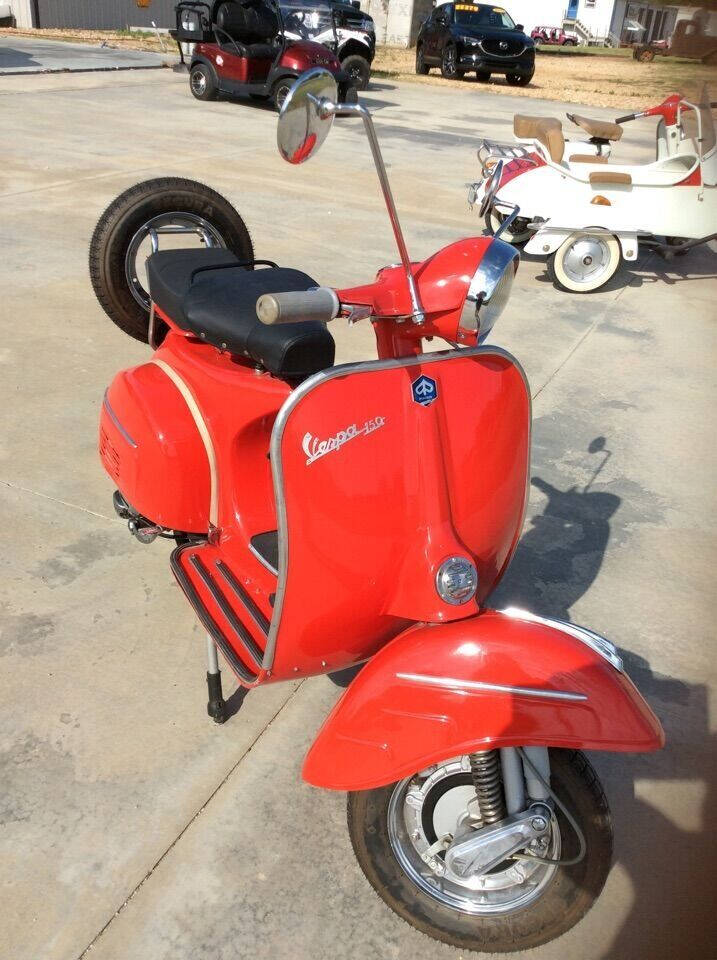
[
  {"x": 132, "y": 825},
  {"x": 38, "y": 55}
]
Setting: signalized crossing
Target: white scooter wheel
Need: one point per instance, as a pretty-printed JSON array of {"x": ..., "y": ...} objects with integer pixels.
[
  {"x": 584, "y": 262},
  {"x": 493, "y": 220}
]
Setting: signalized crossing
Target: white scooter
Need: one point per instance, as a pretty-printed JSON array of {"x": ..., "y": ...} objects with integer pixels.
[{"x": 586, "y": 215}]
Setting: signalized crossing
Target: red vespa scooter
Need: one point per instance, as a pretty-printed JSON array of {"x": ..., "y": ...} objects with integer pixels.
[{"x": 327, "y": 516}]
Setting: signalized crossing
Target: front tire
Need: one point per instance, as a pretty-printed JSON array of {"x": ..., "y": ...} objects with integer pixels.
[
  {"x": 449, "y": 63},
  {"x": 645, "y": 55},
  {"x": 359, "y": 70},
  {"x": 518, "y": 79},
  {"x": 585, "y": 262},
  {"x": 560, "y": 903},
  {"x": 134, "y": 221},
  {"x": 517, "y": 233},
  {"x": 202, "y": 82}
]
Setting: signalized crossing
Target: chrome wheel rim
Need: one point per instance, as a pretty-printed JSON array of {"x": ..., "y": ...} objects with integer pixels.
[
  {"x": 166, "y": 224},
  {"x": 198, "y": 82},
  {"x": 586, "y": 259},
  {"x": 281, "y": 95},
  {"x": 449, "y": 59},
  {"x": 356, "y": 72},
  {"x": 434, "y": 802}
]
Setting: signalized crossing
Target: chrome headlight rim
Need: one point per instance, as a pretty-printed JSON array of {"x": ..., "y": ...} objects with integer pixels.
[{"x": 497, "y": 260}]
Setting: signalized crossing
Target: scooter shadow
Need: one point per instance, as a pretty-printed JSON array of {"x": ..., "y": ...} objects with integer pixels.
[{"x": 667, "y": 862}]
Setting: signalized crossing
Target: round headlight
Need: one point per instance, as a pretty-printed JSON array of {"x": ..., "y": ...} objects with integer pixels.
[{"x": 489, "y": 289}]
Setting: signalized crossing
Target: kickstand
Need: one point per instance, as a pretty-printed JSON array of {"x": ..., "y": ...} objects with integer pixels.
[{"x": 216, "y": 707}]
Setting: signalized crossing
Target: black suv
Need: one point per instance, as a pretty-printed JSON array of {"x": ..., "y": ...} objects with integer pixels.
[{"x": 458, "y": 37}]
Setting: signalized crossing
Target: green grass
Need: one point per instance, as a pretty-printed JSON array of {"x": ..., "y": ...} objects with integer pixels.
[{"x": 583, "y": 51}]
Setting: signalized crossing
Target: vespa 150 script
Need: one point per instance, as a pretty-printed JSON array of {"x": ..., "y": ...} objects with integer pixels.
[{"x": 327, "y": 515}]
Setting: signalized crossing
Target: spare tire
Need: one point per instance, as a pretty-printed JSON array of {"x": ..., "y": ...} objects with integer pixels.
[{"x": 168, "y": 206}]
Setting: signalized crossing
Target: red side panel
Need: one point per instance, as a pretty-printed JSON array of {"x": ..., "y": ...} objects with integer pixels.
[
  {"x": 431, "y": 694},
  {"x": 150, "y": 447},
  {"x": 233, "y": 67},
  {"x": 379, "y": 490}
]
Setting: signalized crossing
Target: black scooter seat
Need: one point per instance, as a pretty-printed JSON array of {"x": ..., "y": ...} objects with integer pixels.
[{"x": 209, "y": 293}]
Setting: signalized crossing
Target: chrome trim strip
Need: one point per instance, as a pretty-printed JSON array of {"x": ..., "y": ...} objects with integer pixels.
[
  {"x": 451, "y": 683},
  {"x": 601, "y": 646},
  {"x": 196, "y": 413},
  {"x": 278, "y": 431},
  {"x": 263, "y": 561},
  {"x": 115, "y": 419}
]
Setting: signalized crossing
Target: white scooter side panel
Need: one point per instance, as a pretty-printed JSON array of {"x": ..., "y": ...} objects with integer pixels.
[{"x": 547, "y": 240}]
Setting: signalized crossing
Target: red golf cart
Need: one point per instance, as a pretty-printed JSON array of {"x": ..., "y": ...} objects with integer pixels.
[
  {"x": 554, "y": 36},
  {"x": 240, "y": 48}
]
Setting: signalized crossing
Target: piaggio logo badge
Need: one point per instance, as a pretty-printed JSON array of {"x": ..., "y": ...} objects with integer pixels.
[
  {"x": 503, "y": 45},
  {"x": 424, "y": 390}
]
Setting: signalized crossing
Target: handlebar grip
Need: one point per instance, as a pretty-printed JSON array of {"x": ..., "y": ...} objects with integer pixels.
[
  {"x": 630, "y": 116},
  {"x": 320, "y": 303}
]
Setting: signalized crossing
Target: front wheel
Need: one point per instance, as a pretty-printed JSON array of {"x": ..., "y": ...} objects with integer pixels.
[
  {"x": 359, "y": 70},
  {"x": 517, "y": 233},
  {"x": 518, "y": 79},
  {"x": 645, "y": 55},
  {"x": 515, "y": 906},
  {"x": 449, "y": 63},
  {"x": 584, "y": 262}
]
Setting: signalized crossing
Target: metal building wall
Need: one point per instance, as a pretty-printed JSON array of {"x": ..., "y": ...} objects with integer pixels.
[{"x": 104, "y": 14}]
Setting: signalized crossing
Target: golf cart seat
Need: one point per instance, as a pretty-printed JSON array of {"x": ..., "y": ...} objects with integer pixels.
[
  {"x": 213, "y": 295},
  {"x": 598, "y": 129},
  {"x": 547, "y": 130},
  {"x": 252, "y": 25}
]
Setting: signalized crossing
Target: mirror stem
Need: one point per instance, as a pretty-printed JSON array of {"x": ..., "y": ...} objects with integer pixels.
[{"x": 358, "y": 110}]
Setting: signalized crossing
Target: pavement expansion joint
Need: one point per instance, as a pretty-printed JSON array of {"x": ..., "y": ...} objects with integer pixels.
[
  {"x": 189, "y": 823},
  {"x": 64, "y": 503}
]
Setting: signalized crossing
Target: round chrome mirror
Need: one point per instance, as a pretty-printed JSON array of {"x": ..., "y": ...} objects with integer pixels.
[
  {"x": 306, "y": 115},
  {"x": 491, "y": 188}
]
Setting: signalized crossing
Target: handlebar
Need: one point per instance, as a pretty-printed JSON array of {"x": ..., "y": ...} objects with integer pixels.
[
  {"x": 298, "y": 306},
  {"x": 630, "y": 116}
]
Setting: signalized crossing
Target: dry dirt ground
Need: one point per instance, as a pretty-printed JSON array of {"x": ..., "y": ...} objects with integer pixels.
[
  {"x": 601, "y": 80},
  {"x": 605, "y": 80}
]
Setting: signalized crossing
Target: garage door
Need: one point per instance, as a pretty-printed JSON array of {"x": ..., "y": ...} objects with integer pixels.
[{"x": 104, "y": 14}]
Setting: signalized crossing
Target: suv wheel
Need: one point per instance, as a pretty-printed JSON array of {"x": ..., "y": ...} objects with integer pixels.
[
  {"x": 519, "y": 79},
  {"x": 449, "y": 63},
  {"x": 358, "y": 69},
  {"x": 422, "y": 67}
]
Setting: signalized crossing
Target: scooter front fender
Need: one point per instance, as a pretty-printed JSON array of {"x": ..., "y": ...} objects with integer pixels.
[
  {"x": 547, "y": 240},
  {"x": 494, "y": 680}
]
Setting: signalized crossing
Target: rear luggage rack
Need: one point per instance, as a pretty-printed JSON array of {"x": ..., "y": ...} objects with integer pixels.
[{"x": 490, "y": 150}]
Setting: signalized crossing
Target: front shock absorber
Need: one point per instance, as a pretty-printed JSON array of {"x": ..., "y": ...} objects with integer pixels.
[{"x": 486, "y": 775}]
